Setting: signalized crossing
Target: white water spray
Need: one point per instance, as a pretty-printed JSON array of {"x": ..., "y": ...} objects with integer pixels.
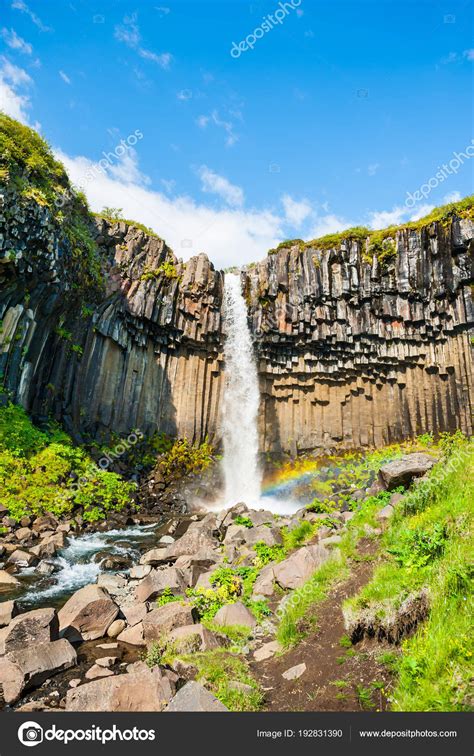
[{"x": 242, "y": 474}]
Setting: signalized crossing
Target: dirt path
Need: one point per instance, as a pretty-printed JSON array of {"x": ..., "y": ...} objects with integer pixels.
[{"x": 337, "y": 678}]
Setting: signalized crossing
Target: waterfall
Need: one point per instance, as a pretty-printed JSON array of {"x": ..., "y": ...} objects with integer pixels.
[{"x": 242, "y": 474}]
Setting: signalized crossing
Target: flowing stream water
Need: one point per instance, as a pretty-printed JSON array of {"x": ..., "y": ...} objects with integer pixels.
[{"x": 242, "y": 474}]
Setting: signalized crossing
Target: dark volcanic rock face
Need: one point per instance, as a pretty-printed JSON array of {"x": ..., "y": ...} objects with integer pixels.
[
  {"x": 356, "y": 352},
  {"x": 143, "y": 354},
  {"x": 351, "y": 352}
]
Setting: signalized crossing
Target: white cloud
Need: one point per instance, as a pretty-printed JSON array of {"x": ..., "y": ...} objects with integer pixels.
[
  {"x": 15, "y": 75},
  {"x": 452, "y": 197},
  {"x": 65, "y": 77},
  {"x": 384, "y": 218},
  {"x": 420, "y": 212},
  {"x": 328, "y": 224},
  {"x": 13, "y": 102},
  {"x": 295, "y": 212},
  {"x": 215, "y": 184},
  {"x": 214, "y": 118},
  {"x": 15, "y": 42},
  {"x": 163, "y": 59},
  {"x": 129, "y": 34},
  {"x": 126, "y": 169},
  {"x": 230, "y": 236},
  {"x": 21, "y": 6},
  {"x": 451, "y": 58}
]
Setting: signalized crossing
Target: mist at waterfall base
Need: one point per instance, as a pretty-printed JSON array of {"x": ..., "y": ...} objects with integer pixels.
[{"x": 240, "y": 463}]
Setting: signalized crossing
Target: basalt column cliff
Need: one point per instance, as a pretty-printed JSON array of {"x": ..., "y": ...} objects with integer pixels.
[
  {"x": 358, "y": 348},
  {"x": 355, "y": 348}
]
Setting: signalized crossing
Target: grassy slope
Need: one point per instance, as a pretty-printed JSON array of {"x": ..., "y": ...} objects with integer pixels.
[{"x": 430, "y": 546}]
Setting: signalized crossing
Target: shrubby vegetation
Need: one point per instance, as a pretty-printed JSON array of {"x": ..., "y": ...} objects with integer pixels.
[
  {"x": 41, "y": 471},
  {"x": 183, "y": 458}
]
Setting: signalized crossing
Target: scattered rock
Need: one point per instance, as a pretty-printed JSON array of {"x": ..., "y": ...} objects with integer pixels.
[
  {"x": 107, "y": 661},
  {"x": 194, "y": 697},
  {"x": 164, "y": 619},
  {"x": 32, "y": 665},
  {"x": 235, "y": 614},
  {"x": 97, "y": 671},
  {"x": 22, "y": 558},
  {"x": 266, "y": 651},
  {"x": 401, "y": 471},
  {"x": 294, "y": 672},
  {"x": 157, "y": 582},
  {"x": 191, "y": 638},
  {"x": 29, "y": 629},
  {"x": 140, "y": 571},
  {"x": 385, "y": 513},
  {"x": 134, "y": 613},
  {"x": 8, "y": 610},
  {"x": 116, "y": 628},
  {"x": 8, "y": 580},
  {"x": 297, "y": 568},
  {"x": 141, "y": 690},
  {"x": 132, "y": 635},
  {"x": 88, "y": 614}
]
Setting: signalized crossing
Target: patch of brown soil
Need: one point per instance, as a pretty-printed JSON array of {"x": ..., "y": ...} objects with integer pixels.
[{"x": 336, "y": 678}]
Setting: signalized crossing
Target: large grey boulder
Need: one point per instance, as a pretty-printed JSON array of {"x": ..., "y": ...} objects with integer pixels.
[
  {"x": 195, "y": 539},
  {"x": 269, "y": 536},
  {"x": 28, "y": 629},
  {"x": 32, "y": 665},
  {"x": 157, "y": 582},
  {"x": 402, "y": 471},
  {"x": 235, "y": 614},
  {"x": 164, "y": 619},
  {"x": 88, "y": 614},
  {"x": 298, "y": 568},
  {"x": 142, "y": 689},
  {"x": 265, "y": 582},
  {"x": 194, "y": 697}
]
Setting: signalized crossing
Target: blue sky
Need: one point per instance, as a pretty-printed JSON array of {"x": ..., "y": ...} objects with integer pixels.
[{"x": 333, "y": 113}]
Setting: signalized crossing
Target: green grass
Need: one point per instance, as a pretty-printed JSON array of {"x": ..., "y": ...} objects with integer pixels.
[
  {"x": 430, "y": 546},
  {"x": 298, "y": 535},
  {"x": 216, "y": 670}
]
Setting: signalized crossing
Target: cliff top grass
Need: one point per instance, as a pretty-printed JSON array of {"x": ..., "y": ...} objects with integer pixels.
[
  {"x": 379, "y": 241},
  {"x": 114, "y": 215}
]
